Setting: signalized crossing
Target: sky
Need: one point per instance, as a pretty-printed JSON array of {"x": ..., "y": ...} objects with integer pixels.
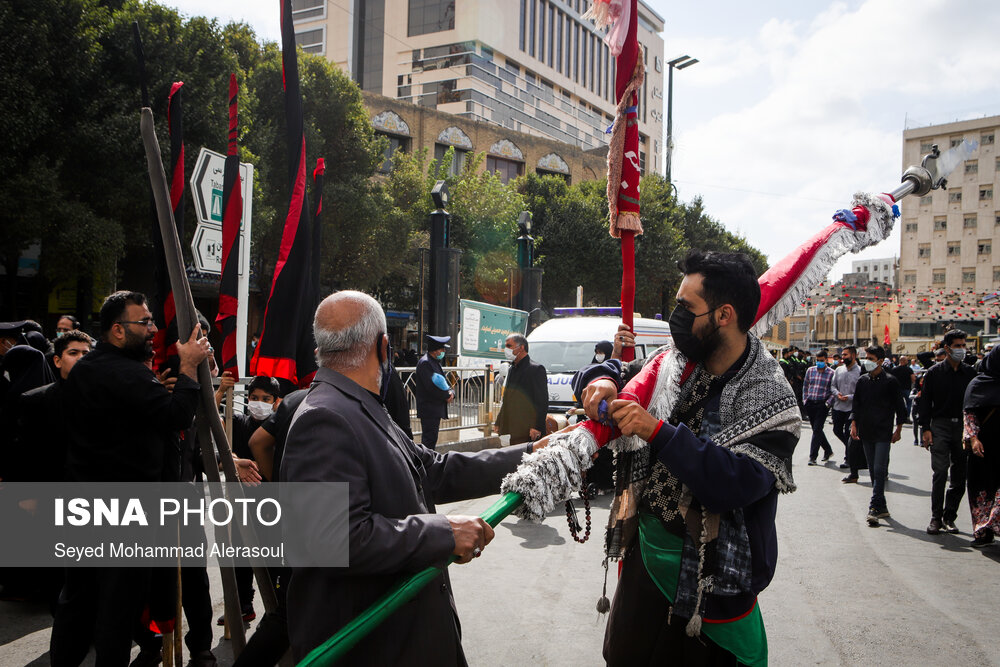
[{"x": 796, "y": 105}]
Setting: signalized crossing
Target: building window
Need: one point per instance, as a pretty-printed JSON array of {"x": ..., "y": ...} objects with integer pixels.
[
  {"x": 924, "y": 251},
  {"x": 985, "y": 192},
  {"x": 369, "y": 52},
  {"x": 968, "y": 275},
  {"x": 457, "y": 162},
  {"x": 940, "y": 223},
  {"x": 910, "y": 278},
  {"x": 996, "y": 275},
  {"x": 986, "y": 139},
  {"x": 972, "y": 166},
  {"x": 396, "y": 142},
  {"x": 996, "y": 220},
  {"x": 970, "y": 221},
  {"x": 559, "y": 43},
  {"x": 926, "y": 200},
  {"x": 541, "y": 31},
  {"x": 984, "y": 248},
  {"x": 954, "y": 248},
  {"x": 304, "y": 10},
  {"x": 427, "y": 16},
  {"x": 311, "y": 41},
  {"x": 864, "y": 268},
  {"x": 926, "y": 147},
  {"x": 938, "y": 277},
  {"x": 552, "y": 33},
  {"x": 911, "y": 227},
  {"x": 523, "y": 25},
  {"x": 954, "y": 196},
  {"x": 531, "y": 37},
  {"x": 955, "y": 141},
  {"x": 998, "y": 164},
  {"x": 505, "y": 169}
]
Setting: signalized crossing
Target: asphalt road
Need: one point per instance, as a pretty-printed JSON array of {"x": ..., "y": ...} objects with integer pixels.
[{"x": 843, "y": 593}]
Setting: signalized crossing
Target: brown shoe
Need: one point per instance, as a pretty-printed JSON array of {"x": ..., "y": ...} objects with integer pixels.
[
  {"x": 934, "y": 527},
  {"x": 850, "y": 479}
]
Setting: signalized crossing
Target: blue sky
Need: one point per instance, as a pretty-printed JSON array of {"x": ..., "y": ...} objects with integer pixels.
[{"x": 796, "y": 105}]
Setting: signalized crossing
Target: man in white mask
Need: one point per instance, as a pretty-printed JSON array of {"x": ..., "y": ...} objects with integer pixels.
[{"x": 525, "y": 395}]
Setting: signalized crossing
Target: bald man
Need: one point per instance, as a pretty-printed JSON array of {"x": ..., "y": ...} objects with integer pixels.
[{"x": 342, "y": 433}]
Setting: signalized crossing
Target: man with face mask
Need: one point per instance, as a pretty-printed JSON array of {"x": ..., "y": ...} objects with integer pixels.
[
  {"x": 703, "y": 438},
  {"x": 432, "y": 391},
  {"x": 877, "y": 401},
  {"x": 123, "y": 426},
  {"x": 941, "y": 427},
  {"x": 341, "y": 433},
  {"x": 845, "y": 379},
  {"x": 525, "y": 394}
]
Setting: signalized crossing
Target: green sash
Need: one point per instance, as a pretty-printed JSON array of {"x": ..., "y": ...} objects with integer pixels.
[{"x": 661, "y": 553}]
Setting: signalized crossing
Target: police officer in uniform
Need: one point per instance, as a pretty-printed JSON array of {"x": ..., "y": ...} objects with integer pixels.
[{"x": 432, "y": 390}]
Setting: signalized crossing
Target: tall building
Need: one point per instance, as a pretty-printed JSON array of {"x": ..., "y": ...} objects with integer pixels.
[
  {"x": 946, "y": 257},
  {"x": 877, "y": 270},
  {"x": 528, "y": 66}
]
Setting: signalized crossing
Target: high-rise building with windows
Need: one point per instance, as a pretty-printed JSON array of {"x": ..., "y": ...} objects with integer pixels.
[
  {"x": 524, "y": 66},
  {"x": 877, "y": 270},
  {"x": 946, "y": 258}
]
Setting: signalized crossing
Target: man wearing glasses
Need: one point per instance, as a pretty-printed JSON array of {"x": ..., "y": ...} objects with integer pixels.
[{"x": 122, "y": 426}]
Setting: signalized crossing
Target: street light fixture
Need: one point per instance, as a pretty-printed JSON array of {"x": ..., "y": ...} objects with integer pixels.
[{"x": 677, "y": 63}]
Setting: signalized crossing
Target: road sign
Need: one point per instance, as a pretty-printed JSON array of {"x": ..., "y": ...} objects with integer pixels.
[
  {"x": 206, "y": 247},
  {"x": 207, "y": 183},
  {"x": 485, "y": 328}
]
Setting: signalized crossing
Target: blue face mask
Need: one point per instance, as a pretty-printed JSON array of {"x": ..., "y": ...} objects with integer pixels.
[
  {"x": 821, "y": 365},
  {"x": 440, "y": 355}
]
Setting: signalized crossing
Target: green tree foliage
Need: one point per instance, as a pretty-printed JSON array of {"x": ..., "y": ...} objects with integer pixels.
[
  {"x": 574, "y": 247},
  {"x": 73, "y": 172}
]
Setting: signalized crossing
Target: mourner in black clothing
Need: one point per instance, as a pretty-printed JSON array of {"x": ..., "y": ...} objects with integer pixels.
[
  {"x": 123, "y": 426},
  {"x": 431, "y": 390},
  {"x": 877, "y": 403},
  {"x": 525, "y": 395},
  {"x": 941, "y": 398}
]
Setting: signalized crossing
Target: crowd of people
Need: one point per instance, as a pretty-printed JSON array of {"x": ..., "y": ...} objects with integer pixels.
[
  {"x": 947, "y": 394},
  {"x": 96, "y": 411}
]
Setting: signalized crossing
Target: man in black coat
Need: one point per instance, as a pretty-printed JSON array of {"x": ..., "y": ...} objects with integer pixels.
[
  {"x": 431, "y": 390},
  {"x": 525, "y": 394},
  {"x": 341, "y": 433},
  {"x": 123, "y": 426}
]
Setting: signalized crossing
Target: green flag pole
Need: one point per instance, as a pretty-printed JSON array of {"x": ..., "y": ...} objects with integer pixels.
[{"x": 334, "y": 648}]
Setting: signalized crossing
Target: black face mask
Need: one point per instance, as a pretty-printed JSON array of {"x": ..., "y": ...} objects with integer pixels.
[
  {"x": 691, "y": 346},
  {"x": 387, "y": 370}
]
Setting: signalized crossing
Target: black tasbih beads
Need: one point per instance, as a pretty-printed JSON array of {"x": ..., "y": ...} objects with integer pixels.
[{"x": 574, "y": 525}]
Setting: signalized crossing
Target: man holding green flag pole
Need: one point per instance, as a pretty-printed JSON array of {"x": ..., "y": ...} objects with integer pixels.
[{"x": 342, "y": 433}]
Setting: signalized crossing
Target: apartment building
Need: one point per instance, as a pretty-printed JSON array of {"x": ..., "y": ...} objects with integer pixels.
[
  {"x": 877, "y": 270},
  {"x": 528, "y": 67},
  {"x": 947, "y": 261}
]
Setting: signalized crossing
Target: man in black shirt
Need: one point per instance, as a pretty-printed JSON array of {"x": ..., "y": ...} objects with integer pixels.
[
  {"x": 876, "y": 400},
  {"x": 123, "y": 426},
  {"x": 941, "y": 423},
  {"x": 525, "y": 395}
]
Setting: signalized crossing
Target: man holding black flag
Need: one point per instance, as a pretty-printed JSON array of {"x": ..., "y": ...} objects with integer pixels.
[{"x": 123, "y": 426}]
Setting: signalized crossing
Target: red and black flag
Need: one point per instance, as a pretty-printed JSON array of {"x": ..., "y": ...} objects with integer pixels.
[
  {"x": 317, "y": 235},
  {"x": 165, "y": 342},
  {"x": 286, "y": 345},
  {"x": 232, "y": 216}
]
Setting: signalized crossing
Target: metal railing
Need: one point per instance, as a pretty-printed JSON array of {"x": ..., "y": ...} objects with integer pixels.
[{"x": 475, "y": 405}]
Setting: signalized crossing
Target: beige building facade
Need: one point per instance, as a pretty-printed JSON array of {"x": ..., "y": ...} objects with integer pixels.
[
  {"x": 950, "y": 242},
  {"x": 533, "y": 67}
]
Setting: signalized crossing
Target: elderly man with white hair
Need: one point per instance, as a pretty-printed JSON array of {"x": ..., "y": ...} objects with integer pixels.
[{"x": 342, "y": 433}]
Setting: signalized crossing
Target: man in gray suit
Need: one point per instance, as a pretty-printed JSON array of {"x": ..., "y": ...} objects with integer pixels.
[{"x": 341, "y": 433}]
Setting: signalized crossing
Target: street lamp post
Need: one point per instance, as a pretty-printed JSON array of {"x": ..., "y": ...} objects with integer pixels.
[{"x": 678, "y": 63}]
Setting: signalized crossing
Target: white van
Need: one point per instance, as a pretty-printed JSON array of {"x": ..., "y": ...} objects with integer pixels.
[{"x": 564, "y": 345}]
